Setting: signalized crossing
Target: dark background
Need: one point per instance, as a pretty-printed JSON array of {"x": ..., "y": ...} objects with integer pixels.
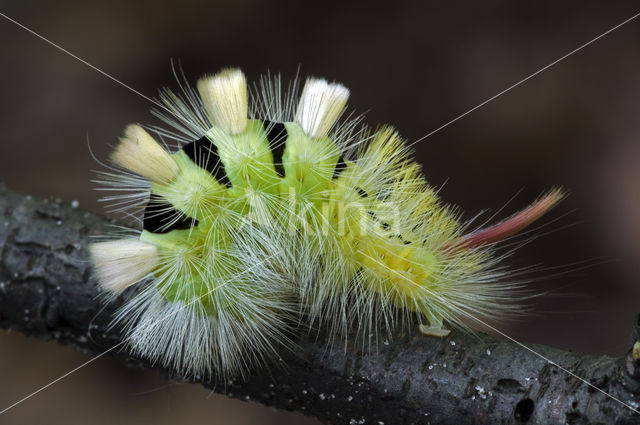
[{"x": 415, "y": 66}]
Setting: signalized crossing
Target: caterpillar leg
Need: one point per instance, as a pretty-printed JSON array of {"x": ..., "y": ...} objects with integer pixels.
[
  {"x": 434, "y": 331},
  {"x": 436, "y": 328}
]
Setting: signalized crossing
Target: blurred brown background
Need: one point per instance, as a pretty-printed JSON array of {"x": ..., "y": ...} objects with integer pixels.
[{"x": 415, "y": 66}]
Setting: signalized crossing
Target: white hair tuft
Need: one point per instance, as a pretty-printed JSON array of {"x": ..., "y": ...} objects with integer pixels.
[
  {"x": 225, "y": 99},
  {"x": 140, "y": 153},
  {"x": 121, "y": 263},
  {"x": 320, "y": 106}
]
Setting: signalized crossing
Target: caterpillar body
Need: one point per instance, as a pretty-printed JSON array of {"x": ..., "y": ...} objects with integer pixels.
[{"x": 272, "y": 212}]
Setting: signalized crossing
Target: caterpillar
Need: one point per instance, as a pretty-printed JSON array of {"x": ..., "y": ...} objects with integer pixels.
[{"x": 274, "y": 212}]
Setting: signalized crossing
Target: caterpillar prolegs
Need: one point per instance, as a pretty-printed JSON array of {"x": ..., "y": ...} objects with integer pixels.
[{"x": 272, "y": 213}]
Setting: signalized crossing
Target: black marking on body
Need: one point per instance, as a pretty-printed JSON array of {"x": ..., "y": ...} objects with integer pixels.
[
  {"x": 276, "y": 136},
  {"x": 361, "y": 192},
  {"x": 383, "y": 224},
  {"x": 161, "y": 217},
  {"x": 205, "y": 155},
  {"x": 406, "y": 242},
  {"x": 340, "y": 166}
]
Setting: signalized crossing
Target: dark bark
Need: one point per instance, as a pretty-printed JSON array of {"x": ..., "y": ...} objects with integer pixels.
[{"x": 47, "y": 291}]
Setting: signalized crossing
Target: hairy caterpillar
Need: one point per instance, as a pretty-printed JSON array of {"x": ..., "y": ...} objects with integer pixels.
[{"x": 271, "y": 210}]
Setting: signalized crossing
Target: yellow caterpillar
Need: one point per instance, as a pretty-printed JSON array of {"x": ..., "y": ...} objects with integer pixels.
[{"x": 272, "y": 212}]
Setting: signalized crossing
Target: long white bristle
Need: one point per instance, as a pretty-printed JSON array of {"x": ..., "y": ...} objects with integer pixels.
[
  {"x": 121, "y": 263},
  {"x": 140, "y": 153},
  {"x": 225, "y": 99},
  {"x": 320, "y": 106}
]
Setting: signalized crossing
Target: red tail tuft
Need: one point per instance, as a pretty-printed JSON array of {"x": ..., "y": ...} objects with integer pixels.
[{"x": 510, "y": 226}]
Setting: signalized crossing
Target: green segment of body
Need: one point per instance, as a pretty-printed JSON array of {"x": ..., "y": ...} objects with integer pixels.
[{"x": 341, "y": 211}]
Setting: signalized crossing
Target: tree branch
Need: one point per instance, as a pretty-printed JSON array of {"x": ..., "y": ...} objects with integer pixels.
[{"x": 47, "y": 291}]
